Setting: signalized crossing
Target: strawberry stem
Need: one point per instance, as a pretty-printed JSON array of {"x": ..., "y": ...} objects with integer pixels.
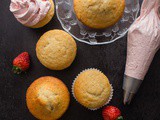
[
  {"x": 16, "y": 70},
  {"x": 120, "y": 118}
]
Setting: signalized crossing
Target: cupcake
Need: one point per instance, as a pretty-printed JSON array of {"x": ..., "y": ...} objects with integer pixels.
[
  {"x": 56, "y": 50},
  {"x": 47, "y": 98},
  {"x": 32, "y": 13},
  {"x": 92, "y": 89},
  {"x": 99, "y": 14}
]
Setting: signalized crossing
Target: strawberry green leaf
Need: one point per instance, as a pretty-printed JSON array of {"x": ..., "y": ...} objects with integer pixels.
[
  {"x": 16, "y": 70},
  {"x": 120, "y": 118}
]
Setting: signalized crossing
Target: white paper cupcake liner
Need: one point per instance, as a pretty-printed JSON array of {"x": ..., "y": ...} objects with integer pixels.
[{"x": 72, "y": 89}]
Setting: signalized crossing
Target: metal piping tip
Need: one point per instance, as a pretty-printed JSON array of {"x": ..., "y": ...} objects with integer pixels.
[
  {"x": 127, "y": 97},
  {"x": 130, "y": 87}
]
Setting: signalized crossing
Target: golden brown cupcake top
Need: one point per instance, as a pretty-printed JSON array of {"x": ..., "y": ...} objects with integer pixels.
[
  {"x": 47, "y": 98},
  {"x": 99, "y": 14},
  {"x": 92, "y": 89},
  {"x": 56, "y": 49}
]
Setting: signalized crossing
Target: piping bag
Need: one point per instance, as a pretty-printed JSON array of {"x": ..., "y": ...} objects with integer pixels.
[{"x": 143, "y": 43}]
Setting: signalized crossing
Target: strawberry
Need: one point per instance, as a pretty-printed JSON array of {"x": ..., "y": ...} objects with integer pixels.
[
  {"x": 111, "y": 113},
  {"x": 21, "y": 63}
]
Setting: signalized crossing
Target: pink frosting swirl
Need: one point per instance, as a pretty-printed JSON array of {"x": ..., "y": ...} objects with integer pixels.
[{"x": 29, "y": 12}]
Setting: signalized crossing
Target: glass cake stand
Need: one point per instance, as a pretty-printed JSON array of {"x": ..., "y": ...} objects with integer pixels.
[{"x": 69, "y": 22}]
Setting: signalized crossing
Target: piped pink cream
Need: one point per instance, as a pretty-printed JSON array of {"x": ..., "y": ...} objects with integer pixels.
[
  {"x": 143, "y": 40},
  {"x": 29, "y": 12}
]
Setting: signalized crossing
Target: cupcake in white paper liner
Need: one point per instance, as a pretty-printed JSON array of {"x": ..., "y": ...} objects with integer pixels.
[{"x": 91, "y": 88}]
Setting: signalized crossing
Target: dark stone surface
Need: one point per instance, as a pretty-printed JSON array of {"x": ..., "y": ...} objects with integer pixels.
[{"x": 15, "y": 38}]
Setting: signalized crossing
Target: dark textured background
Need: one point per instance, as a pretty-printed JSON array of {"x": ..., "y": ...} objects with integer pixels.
[{"x": 15, "y": 38}]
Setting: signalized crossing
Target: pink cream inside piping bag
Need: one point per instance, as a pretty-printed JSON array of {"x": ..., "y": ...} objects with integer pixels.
[
  {"x": 29, "y": 12},
  {"x": 143, "y": 40},
  {"x": 143, "y": 43}
]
